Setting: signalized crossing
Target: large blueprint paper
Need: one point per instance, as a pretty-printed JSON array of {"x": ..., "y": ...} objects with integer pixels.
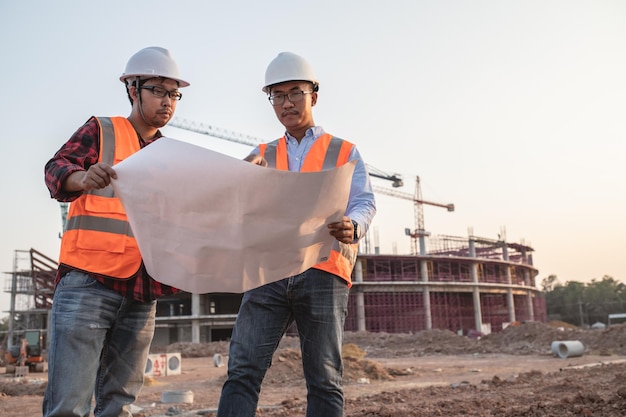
[{"x": 207, "y": 222}]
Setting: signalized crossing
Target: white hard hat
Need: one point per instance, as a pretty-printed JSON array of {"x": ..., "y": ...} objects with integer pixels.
[
  {"x": 288, "y": 66},
  {"x": 152, "y": 62}
]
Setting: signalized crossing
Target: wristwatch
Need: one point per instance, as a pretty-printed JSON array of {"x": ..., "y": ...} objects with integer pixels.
[{"x": 356, "y": 230}]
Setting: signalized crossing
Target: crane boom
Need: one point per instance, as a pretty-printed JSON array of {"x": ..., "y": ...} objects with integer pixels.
[
  {"x": 410, "y": 197},
  {"x": 213, "y": 131}
]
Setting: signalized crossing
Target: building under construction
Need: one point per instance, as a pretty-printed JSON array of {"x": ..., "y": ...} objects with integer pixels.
[{"x": 466, "y": 285}]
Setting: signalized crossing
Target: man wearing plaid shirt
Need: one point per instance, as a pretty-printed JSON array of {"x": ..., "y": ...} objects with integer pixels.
[{"x": 103, "y": 313}]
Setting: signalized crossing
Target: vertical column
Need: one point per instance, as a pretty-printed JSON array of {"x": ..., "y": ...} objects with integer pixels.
[
  {"x": 510, "y": 303},
  {"x": 428, "y": 318},
  {"x": 478, "y": 315},
  {"x": 529, "y": 297},
  {"x": 195, "y": 323},
  {"x": 360, "y": 297},
  {"x": 422, "y": 242},
  {"x": 12, "y": 314}
]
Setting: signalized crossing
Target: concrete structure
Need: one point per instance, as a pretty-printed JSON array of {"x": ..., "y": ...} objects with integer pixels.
[{"x": 467, "y": 285}]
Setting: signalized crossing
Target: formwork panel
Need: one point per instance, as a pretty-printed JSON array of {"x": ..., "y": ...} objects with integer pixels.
[
  {"x": 379, "y": 269},
  {"x": 351, "y": 323},
  {"x": 450, "y": 271},
  {"x": 494, "y": 310},
  {"x": 453, "y": 311},
  {"x": 399, "y": 312},
  {"x": 541, "y": 312},
  {"x": 466, "y": 313},
  {"x": 491, "y": 273},
  {"x": 522, "y": 313},
  {"x": 442, "y": 272},
  {"x": 392, "y": 269},
  {"x": 410, "y": 269}
]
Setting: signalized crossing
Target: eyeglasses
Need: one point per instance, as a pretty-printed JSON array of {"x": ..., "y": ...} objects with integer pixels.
[
  {"x": 294, "y": 96},
  {"x": 159, "y": 91}
]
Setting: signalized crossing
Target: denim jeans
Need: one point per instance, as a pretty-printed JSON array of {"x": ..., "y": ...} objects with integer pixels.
[
  {"x": 317, "y": 301},
  {"x": 99, "y": 344}
]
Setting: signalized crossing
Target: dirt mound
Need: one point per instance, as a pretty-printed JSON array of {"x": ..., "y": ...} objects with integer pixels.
[
  {"x": 287, "y": 368},
  {"x": 535, "y": 337},
  {"x": 427, "y": 342},
  {"x": 524, "y": 338}
]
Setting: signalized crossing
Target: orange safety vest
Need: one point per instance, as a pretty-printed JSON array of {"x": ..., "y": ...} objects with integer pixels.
[
  {"x": 97, "y": 237},
  {"x": 327, "y": 152}
]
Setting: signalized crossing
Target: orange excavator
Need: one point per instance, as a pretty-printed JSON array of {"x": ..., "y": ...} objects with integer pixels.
[{"x": 27, "y": 353}]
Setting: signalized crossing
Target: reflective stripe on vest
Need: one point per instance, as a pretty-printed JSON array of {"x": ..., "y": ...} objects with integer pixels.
[
  {"x": 98, "y": 237},
  {"x": 327, "y": 152},
  {"x": 99, "y": 224}
]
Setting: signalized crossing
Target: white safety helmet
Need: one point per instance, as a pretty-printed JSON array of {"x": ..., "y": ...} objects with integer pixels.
[
  {"x": 152, "y": 62},
  {"x": 288, "y": 66}
]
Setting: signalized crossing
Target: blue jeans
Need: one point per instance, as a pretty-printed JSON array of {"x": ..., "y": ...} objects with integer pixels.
[
  {"x": 99, "y": 344},
  {"x": 317, "y": 301}
]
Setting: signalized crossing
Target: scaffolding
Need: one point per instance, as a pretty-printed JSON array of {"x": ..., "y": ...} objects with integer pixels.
[
  {"x": 467, "y": 285},
  {"x": 31, "y": 286}
]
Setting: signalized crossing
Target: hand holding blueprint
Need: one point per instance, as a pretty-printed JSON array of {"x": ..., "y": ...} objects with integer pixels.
[{"x": 207, "y": 222}]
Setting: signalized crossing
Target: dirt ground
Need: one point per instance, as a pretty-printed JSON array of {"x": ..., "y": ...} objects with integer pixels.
[{"x": 431, "y": 373}]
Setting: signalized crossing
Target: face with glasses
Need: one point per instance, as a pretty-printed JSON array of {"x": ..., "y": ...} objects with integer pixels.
[
  {"x": 159, "y": 97},
  {"x": 293, "y": 96},
  {"x": 293, "y": 102},
  {"x": 160, "y": 91}
]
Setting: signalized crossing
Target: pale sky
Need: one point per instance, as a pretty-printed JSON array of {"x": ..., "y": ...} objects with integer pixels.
[{"x": 515, "y": 111}]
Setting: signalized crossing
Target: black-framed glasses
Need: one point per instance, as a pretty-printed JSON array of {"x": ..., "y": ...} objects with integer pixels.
[
  {"x": 159, "y": 91},
  {"x": 294, "y": 96}
]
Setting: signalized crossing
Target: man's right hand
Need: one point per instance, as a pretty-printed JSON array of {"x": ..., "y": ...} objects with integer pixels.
[
  {"x": 256, "y": 159},
  {"x": 96, "y": 177}
]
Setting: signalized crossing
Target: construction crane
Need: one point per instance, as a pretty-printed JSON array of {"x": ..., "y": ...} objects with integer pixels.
[
  {"x": 215, "y": 132},
  {"x": 396, "y": 179},
  {"x": 419, "y": 234}
]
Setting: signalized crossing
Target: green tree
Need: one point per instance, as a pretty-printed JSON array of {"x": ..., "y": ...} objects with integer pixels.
[
  {"x": 605, "y": 297},
  {"x": 584, "y": 304}
]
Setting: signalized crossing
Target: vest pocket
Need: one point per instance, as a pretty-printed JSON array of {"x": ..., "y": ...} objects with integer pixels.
[
  {"x": 103, "y": 226},
  {"x": 104, "y": 205},
  {"x": 95, "y": 240}
]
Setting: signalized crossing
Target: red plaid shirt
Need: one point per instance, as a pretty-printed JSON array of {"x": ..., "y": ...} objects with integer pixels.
[{"x": 78, "y": 154}]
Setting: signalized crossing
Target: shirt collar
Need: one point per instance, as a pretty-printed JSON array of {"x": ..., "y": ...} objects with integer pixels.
[{"x": 311, "y": 133}]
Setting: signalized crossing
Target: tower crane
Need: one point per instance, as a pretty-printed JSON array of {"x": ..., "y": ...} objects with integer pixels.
[
  {"x": 396, "y": 179},
  {"x": 420, "y": 232}
]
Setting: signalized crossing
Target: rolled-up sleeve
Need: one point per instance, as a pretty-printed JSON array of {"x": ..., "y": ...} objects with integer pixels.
[{"x": 77, "y": 154}]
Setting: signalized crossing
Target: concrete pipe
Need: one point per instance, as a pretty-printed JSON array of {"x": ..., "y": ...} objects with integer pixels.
[
  {"x": 569, "y": 349},
  {"x": 177, "y": 397},
  {"x": 554, "y": 347},
  {"x": 218, "y": 361}
]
